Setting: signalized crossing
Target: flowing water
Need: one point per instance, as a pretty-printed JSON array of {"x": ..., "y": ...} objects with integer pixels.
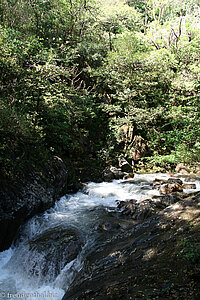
[{"x": 50, "y": 248}]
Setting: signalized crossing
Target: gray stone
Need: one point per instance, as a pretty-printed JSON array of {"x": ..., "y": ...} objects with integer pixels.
[
  {"x": 125, "y": 166},
  {"x": 189, "y": 186},
  {"x": 111, "y": 173},
  {"x": 57, "y": 247}
]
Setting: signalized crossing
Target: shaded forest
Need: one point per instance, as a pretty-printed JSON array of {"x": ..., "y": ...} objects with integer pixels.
[{"x": 86, "y": 80}]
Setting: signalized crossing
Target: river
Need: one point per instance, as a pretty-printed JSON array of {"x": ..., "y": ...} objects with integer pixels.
[{"x": 49, "y": 249}]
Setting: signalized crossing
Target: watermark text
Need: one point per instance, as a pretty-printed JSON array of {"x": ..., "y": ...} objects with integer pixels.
[{"x": 24, "y": 295}]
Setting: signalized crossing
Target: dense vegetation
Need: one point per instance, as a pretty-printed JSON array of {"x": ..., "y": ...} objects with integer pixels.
[{"x": 77, "y": 76}]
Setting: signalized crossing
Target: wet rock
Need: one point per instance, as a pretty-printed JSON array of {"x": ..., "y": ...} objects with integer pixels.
[
  {"x": 189, "y": 186},
  {"x": 56, "y": 248},
  {"x": 161, "y": 202},
  {"x": 175, "y": 187},
  {"x": 170, "y": 188},
  {"x": 46, "y": 254},
  {"x": 127, "y": 207},
  {"x": 146, "y": 208},
  {"x": 108, "y": 175},
  {"x": 125, "y": 166},
  {"x": 21, "y": 202},
  {"x": 118, "y": 174},
  {"x": 111, "y": 173},
  {"x": 128, "y": 176},
  {"x": 144, "y": 262},
  {"x": 175, "y": 180},
  {"x": 158, "y": 182},
  {"x": 190, "y": 179},
  {"x": 109, "y": 226},
  {"x": 143, "y": 211},
  {"x": 137, "y": 211}
]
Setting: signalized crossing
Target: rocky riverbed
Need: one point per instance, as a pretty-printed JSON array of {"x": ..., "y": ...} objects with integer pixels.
[{"x": 148, "y": 250}]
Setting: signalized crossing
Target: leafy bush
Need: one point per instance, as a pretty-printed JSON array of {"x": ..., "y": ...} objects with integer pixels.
[{"x": 190, "y": 251}]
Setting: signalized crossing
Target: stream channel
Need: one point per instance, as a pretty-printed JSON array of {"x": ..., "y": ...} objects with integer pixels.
[{"x": 50, "y": 248}]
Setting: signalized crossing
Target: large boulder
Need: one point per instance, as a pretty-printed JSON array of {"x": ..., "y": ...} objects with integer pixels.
[
  {"x": 125, "y": 166},
  {"x": 47, "y": 253},
  {"x": 111, "y": 173},
  {"x": 168, "y": 186},
  {"x": 108, "y": 175},
  {"x": 189, "y": 186},
  {"x": 35, "y": 194}
]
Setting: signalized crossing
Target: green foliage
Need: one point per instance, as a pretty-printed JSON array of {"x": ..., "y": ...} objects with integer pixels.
[
  {"x": 116, "y": 17},
  {"x": 21, "y": 147},
  {"x": 190, "y": 251},
  {"x": 73, "y": 72},
  {"x": 152, "y": 81}
]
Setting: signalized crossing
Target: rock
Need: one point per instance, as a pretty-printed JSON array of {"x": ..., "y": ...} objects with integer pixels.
[
  {"x": 137, "y": 211},
  {"x": 38, "y": 193},
  {"x": 170, "y": 188},
  {"x": 157, "y": 182},
  {"x": 108, "y": 175},
  {"x": 109, "y": 226},
  {"x": 63, "y": 247},
  {"x": 146, "y": 208},
  {"x": 189, "y": 186},
  {"x": 111, "y": 173},
  {"x": 127, "y": 207},
  {"x": 163, "y": 189},
  {"x": 57, "y": 179},
  {"x": 175, "y": 187},
  {"x": 163, "y": 201},
  {"x": 175, "y": 180},
  {"x": 121, "y": 204},
  {"x": 48, "y": 252},
  {"x": 137, "y": 148},
  {"x": 128, "y": 176},
  {"x": 125, "y": 166},
  {"x": 147, "y": 261},
  {"x": 190, "y": 179},
  {"x": 118, "y": 174},
  {"x": 182, "y": 168},
  {"x": 143, "y": 211}
]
